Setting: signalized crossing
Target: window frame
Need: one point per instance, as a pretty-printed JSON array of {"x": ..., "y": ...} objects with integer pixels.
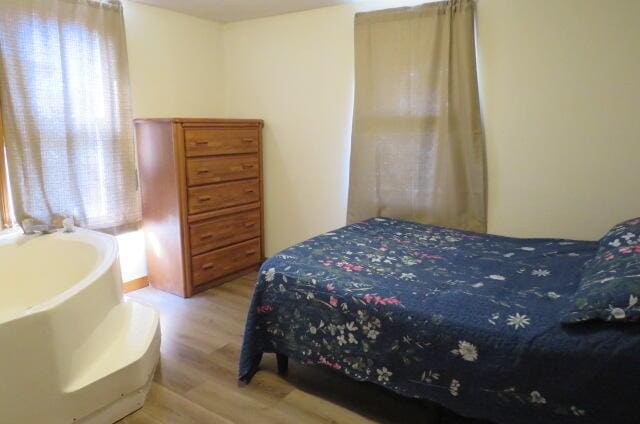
[{"x": 6, "y": 220}]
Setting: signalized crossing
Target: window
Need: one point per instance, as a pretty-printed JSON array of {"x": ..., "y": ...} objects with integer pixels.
[
  {"x": 64, "y": 88},
  {"x": 5, "y": 207},
  {"x": 417, "y": 149}
]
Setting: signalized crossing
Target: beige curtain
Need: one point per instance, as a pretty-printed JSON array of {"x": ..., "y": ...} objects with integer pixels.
[
  {"x": 66, "y": 108},
  {"x": 417, "y": 148}
]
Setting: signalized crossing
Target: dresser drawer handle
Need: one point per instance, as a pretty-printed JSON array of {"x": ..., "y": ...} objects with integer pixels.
[
  {"x": 207, "y": 266},
  {"x": 206, "y": 236},
  {"x": 204, "y": 198},
  {"x": 247, "y": 140},
  {"x": 249, "y": 190},
  {"x": 250, "y": 252},
  {"x": 202, "y": 171},
  {"x": 201, "y": 143},
  {"x": 250, "y": 224},
  {"x": 248, "y": 166}
]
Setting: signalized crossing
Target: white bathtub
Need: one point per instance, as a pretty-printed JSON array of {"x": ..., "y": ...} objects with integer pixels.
[{"x": 72, "y": 350}]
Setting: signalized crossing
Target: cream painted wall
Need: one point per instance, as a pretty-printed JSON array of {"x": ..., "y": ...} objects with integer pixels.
[
  {"x": 175, "y": 63},
  {"x": 559, "y": 92},
  {"x": 295, "y": 71},
  {"x": 560, "y": 84},
  {"x": 175, "y": 66}
]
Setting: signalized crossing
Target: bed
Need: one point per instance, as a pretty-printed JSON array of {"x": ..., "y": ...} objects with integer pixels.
[{"x": 467, "y": 320}]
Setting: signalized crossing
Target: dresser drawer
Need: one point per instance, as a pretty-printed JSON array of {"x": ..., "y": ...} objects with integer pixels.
[
  {"x": 223, "y": 195},
  {"x": 223, "y": 231},
  {"x": 216, "y": 141},
  {"x": 221, "y": 262},
  {"x": 215, "y": 169}
]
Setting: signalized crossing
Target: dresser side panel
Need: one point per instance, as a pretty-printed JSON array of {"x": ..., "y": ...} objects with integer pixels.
[{"x": 161, "y": 205}]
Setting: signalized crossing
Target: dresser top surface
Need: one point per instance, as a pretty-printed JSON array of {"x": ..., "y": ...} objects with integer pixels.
[{"x": 205, "y": 121}]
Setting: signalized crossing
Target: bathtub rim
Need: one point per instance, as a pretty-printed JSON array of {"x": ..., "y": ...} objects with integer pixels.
[{"x": 107, "y": 247}]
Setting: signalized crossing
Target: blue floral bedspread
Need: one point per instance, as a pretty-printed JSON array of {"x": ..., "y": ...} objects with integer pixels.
[{"x": 470, "y": 321}]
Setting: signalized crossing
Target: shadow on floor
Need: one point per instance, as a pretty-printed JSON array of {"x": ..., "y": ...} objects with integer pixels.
[{"x": 369, "y": 400}]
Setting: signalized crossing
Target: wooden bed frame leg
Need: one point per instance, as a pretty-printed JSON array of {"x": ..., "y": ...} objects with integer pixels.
[{"x": 283, "y": 363}]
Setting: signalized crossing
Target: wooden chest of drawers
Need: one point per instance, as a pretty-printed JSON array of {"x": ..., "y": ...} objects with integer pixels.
[{"x": 201, "y": 184}]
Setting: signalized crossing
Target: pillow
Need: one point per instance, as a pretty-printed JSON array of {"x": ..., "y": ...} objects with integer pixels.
[{"x": 609, "y": 287}]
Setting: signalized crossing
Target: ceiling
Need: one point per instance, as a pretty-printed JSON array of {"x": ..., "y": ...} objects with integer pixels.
[{"x": 238, "y": 10}]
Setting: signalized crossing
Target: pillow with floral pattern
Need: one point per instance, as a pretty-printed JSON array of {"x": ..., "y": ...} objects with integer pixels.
[{"x": 609, "y": 287}]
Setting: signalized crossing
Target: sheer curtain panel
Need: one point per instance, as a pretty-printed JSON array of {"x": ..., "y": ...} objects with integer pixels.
[
  {"x": 66, "y": 111},
  {"x": 417, "y": 149}
]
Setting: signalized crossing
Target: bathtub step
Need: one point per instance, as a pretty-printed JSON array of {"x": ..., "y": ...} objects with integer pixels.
[{"x": 125, "y": 337}]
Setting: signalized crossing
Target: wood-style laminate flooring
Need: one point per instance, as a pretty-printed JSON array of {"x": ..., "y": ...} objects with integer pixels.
[{"x": 196, "y": 380}]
